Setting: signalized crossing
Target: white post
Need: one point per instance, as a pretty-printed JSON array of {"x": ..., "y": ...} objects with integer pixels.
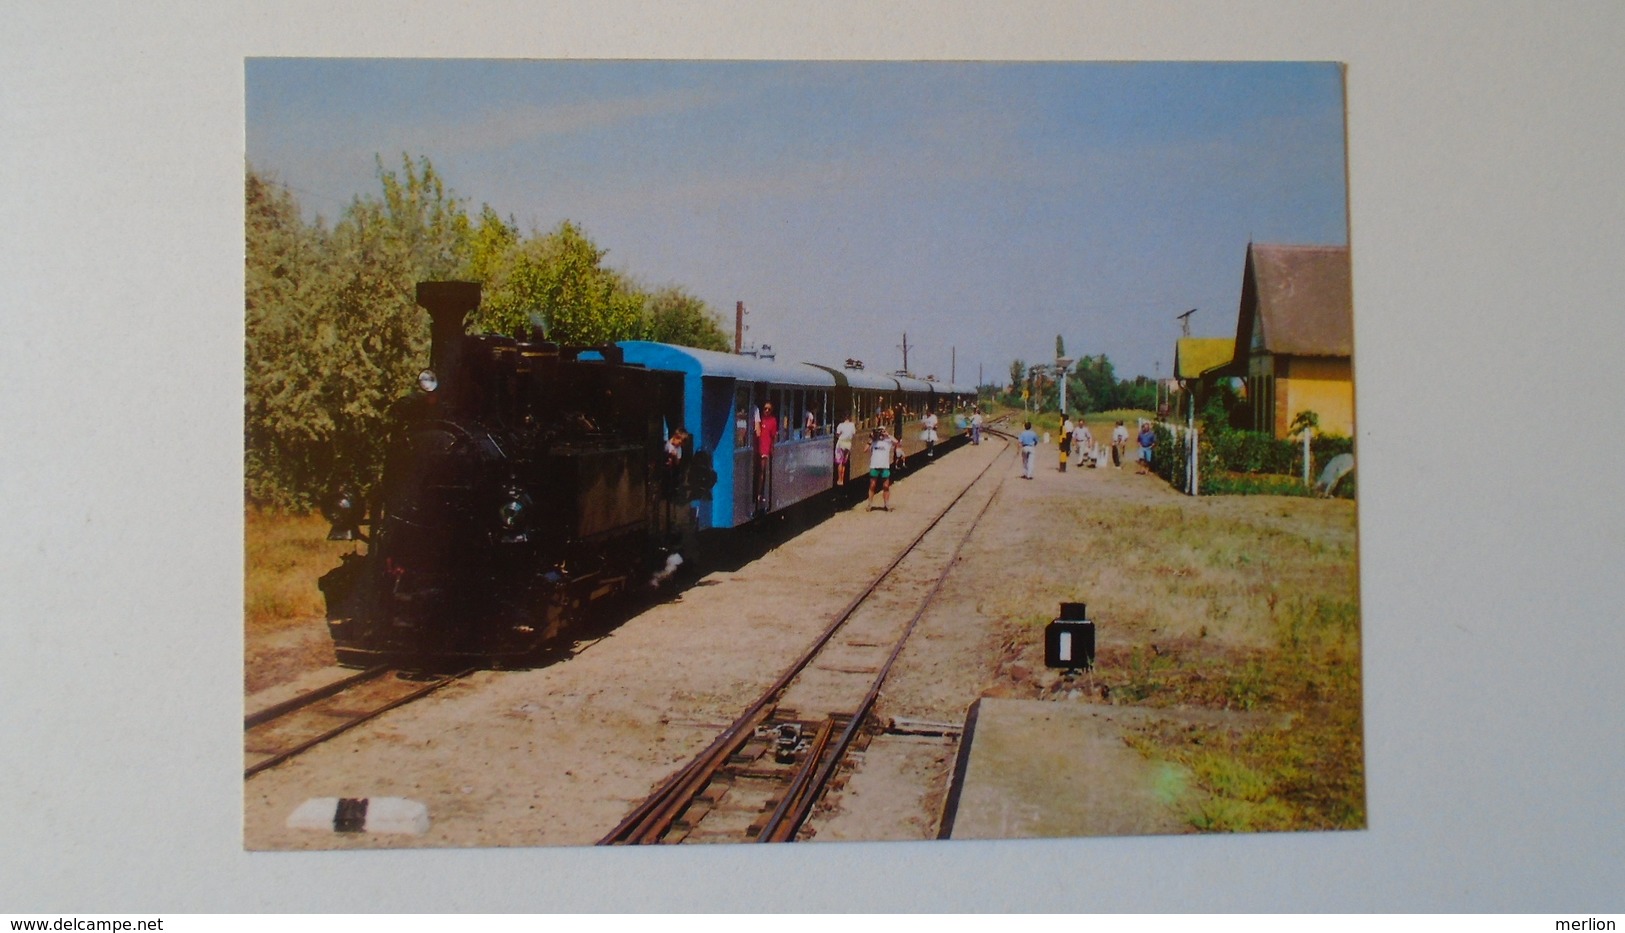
[
  {"x": 1306, "y": 456},
  {"x": 1192, "y": 473},
  {"x": 1196, "y": 455},
  {"x": 1061, "y": 364}
]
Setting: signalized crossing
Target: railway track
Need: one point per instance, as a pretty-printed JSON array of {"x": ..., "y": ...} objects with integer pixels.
[
  {"x": 280, "y": 732},
  {"x": 760, "y": 779}
]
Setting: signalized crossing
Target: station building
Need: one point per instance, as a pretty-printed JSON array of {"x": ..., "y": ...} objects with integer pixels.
[{"x": 1294, "y": 344}]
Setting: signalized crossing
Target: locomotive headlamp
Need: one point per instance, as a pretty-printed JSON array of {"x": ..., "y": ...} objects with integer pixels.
[
  {"x": 345, "y": 512},
  {"x": 513, "y": 514},
  {"x": 428, "y": 381}
]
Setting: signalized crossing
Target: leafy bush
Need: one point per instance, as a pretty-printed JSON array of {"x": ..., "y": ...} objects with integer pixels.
[{"x": 1235, "y": 462}]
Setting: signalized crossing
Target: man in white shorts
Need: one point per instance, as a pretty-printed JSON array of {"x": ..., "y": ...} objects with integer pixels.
[{"x": 844, "y": 432}]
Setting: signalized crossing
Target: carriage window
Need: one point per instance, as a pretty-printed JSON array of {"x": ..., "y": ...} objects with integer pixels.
[{"x": 742, "y": 418}]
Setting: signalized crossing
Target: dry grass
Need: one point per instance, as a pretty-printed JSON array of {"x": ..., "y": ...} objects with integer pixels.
[
  {"x": 1241, "y": 604},
  {"x": 283, "y": 556}
]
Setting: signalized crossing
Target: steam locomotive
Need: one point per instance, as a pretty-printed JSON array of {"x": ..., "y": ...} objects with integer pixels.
[{"x": 525, "y": 480}]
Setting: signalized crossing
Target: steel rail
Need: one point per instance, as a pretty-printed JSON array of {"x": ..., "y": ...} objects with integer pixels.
[
  {"x": 349, "y": 724},
  {"x": 793, "y": 809},
  {"x": 652, "y": 818},
  {"x": 278, "y": 710},
  {"x": 802, "y": 783}
]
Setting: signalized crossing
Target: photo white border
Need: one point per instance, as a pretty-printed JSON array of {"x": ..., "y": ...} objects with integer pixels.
[{"x": 1485, "y": 186}]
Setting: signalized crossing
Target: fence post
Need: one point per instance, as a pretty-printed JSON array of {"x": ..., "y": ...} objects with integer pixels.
[
  {"x": 1306, "y": 456},
  {"x": 1196, "y": 458}
]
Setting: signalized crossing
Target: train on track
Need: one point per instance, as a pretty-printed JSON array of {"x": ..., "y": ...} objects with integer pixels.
[{"x": 524, "y": 481}]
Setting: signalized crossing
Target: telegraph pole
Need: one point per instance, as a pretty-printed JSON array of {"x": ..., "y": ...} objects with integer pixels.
[
  {"x": 1185, "y": 322},
  {"x": 905, "y": 351},
  {"x": 739, "y": 327}
]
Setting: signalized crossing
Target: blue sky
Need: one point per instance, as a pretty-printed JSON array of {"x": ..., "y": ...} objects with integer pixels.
[{"x": 980, "y": 207}]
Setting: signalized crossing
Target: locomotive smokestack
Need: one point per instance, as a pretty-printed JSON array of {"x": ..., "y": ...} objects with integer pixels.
[{"x": 448, "y": 304}]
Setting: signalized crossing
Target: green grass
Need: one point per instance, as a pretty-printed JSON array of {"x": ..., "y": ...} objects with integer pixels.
[
  {"x": 1307, "y": 774},
  {"x": 1245, "y": 607}
]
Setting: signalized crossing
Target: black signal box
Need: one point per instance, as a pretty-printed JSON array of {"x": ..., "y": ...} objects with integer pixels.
[{"x": 1069, "y": 642}]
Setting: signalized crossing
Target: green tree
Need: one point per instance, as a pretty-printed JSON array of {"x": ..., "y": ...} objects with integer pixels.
[
  {"x": 1078, "y": 397},
  {"x": 559, "y": 280},
  {"x": 490, "y": 243},
  {"x": 678, "y": 317},
  {"x": 283, "y": 408},
  {"x": 1100, "y": 381},
  {"x": 334, "y": 332},
  {"x": 428, "y": 226}
]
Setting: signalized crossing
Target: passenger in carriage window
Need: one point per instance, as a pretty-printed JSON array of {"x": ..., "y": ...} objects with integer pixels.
[
  {"x": 766, "y": 434},
  {"x": 674, "y": 461}
]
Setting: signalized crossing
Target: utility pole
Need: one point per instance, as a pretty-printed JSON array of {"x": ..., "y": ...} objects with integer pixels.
[
  {"x": 1185, "y": 322},
  {"x": 739, "y": 327},
  {"x": 1061, "y": 363},
  {"x": 953, "y": 362},
  {"x": 905, "y": 351}
]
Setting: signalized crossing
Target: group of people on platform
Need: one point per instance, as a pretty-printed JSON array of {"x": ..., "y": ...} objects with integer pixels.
[
  {"x": 1076, "y": 440},
  {"x": 885, "y": 452}
]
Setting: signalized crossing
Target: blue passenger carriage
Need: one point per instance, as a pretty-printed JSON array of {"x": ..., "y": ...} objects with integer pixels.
[{"x": 723, "y": 400}]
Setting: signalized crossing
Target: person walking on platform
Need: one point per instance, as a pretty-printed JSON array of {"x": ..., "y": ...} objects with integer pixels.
[
  {"x": 882, "y": 448},
  {"x": 976, "y": 427},
  {"x": 1082, "y": 441},
  {"x": 1148, "y": 440},
  {"x": 1064, "y": 442},
  {"x": 1028, "y": 441},
  {"x": 1119, "y": 444}
]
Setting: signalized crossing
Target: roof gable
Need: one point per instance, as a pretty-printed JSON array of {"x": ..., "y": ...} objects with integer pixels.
[
  {"x": 1196, "y": 355},
  {"x": 1301, "y": 299}
]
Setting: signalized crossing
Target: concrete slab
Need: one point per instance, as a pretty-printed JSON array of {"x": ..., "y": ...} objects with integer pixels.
[{"x": 1035, "y": 768}]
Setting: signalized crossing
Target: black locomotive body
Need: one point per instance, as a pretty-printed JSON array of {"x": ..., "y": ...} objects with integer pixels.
[{"x": 521, "y": 483}]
